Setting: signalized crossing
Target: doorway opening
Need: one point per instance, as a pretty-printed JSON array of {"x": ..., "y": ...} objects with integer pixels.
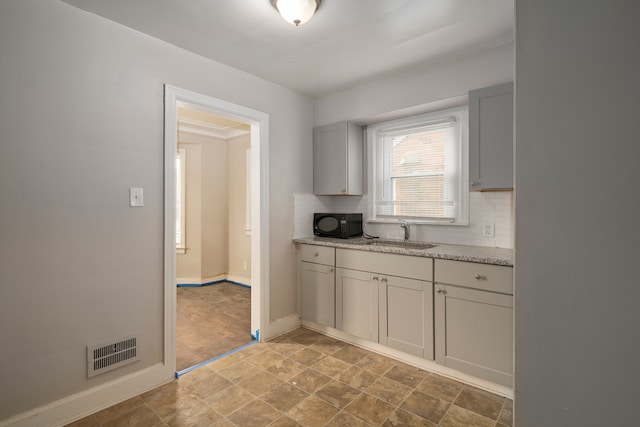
[{"x": 253, "y": 149}]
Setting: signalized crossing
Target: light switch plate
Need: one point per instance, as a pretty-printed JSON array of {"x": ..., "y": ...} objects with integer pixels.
[{"x": 136, "y": 197}]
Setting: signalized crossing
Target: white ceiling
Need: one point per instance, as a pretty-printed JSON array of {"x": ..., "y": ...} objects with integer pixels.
[{"x": 348, "y": 43}]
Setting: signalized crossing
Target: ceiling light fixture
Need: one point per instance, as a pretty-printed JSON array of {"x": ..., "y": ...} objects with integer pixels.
[{"x": 296, "y": 12}]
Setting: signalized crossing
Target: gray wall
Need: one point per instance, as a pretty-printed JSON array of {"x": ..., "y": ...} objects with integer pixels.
[
  {"x": 577, "y": 204},
  {"x": 81, "y": 116}
]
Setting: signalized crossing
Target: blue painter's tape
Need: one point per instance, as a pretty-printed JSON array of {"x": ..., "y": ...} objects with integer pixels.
[
  {"x": 187, "y": 370},
  {"x": 195, "y": 285}
]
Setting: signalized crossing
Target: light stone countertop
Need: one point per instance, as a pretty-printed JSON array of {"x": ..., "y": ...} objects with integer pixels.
[{"x": 479, "y": 254}]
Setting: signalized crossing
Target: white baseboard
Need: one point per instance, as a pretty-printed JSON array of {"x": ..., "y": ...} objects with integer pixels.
[
  {"x": 238, "y": 279},
  {"x": 80, "y": 405},
  {"x": 410, "y": 359},
  {"x": 280, "y": 326}
]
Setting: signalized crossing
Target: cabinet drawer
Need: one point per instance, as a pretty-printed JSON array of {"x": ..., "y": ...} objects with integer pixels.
[
  {"x": 413, "y": 267},
  {"x": 317, "y": 254},
  {"x": 486, "y": 277}
]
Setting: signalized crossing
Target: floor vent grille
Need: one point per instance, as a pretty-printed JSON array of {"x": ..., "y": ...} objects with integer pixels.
[{"x": 107, "y": 356}]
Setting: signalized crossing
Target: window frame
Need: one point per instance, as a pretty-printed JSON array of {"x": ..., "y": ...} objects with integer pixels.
[{"x": 460, "y": 114}]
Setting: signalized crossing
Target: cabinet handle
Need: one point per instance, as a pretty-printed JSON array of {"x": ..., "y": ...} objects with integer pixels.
[
  {"x": 316, "y": 254},
  {"x": 480, "y": 277},
  {"x": 344, "y": 190},
  {"x": 384, "y": 279},
  {"x": 375, "y": 278},
  {"x": 331, "y": 270},
  {"x": 440, "y": 291},
  {"x": 474, "y": 183}
]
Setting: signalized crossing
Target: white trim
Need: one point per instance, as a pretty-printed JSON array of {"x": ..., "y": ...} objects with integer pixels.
[
  {"x": 238, "y": 279},
  {"x": 84, "y": 403},
  {"x": 410, "y": 359},
  {"x": 259, "y": 123}
]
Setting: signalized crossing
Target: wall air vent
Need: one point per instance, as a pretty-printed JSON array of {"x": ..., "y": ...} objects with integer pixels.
[{"x": 113, "y": 354}]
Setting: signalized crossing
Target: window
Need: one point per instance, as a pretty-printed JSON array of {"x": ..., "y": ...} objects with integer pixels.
[
  {"x": 419, "y": 168},
  {"x": 180, "y": 200}
]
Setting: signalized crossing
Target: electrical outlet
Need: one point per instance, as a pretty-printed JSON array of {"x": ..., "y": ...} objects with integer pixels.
[{"x": 489, "y": 229}]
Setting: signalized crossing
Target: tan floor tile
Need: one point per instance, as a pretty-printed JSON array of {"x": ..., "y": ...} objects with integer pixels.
[
  {"x": 376, "y": 363},
  {"x": 506, "y": 415},
  {"x": 312, "y": 412},
  {"x": 440, "y": 387},
  {"x": 337, "y": 394},
  {"x": 256, "y": 413},
  {"x": 286, "y": 368},
  {"x": 285, "y": 421},
  {"x": 225, "y": 362},
  {"x": 210, "y": 385},
  {"x": 176, "y": 401},
  {"x": 239, "y": 371},
  {"x": 287, "y": 348},
  {"x": 425, "y": 406},
  {"x": 401, "y": 417},
  {"x": 229, "y": 399},
  {"x": 284, "y": 397},
  {"x": 140, "y": 416},
  {"x": 204, "y": 416},
  {"x": 90, "y": 421},
  {"x": 358, "y": 378},
  {"x": 370, "y": 409},
  {"x": 460, "y": 417},
  {"x": 259, "y": 383},
  {"x": 307, "y": 337},
  {"x": 309, "y": 380},
  {"x": 307, "y": 356},
  {"x": 406, "y": 374},
  {"x": 480, "y": 401},
  {"x": 264, "y": 359},
  {"x": 328, "y": 345},
  {"x": 330, "y": 366},
  {"x": 119, "y": 409},
  {"x": 389, "y": 390},
  {"x": 344, "y": 419},
  {"x": 350, "y": 354}
]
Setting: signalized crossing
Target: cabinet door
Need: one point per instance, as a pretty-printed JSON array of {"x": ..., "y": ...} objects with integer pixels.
[
  {"x": 406, "y": 315},
  {"x": 474, "y": 332},
  {"x": 357, "y": 303},
  {"x": 337, "y": 159},
  {"x": 317, "y": 293},
  {"x": 491, "y": 138}
]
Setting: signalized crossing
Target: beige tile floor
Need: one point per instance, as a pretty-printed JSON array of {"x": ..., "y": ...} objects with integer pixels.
[
  {"x": 210, "y": 321},
  {"x": 307, "y": 379}
]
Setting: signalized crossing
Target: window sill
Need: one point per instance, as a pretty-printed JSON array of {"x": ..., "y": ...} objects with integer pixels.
[{"x": 181, "y": 251}]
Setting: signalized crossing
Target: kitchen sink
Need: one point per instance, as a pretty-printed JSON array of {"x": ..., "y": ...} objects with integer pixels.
[{"x": 399, "y": 244}]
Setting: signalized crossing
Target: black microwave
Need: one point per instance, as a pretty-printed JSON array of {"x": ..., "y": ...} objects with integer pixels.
[{"x": 340, "y": 225}]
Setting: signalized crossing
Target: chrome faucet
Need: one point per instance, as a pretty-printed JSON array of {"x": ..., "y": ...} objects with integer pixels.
[{"x": 407, "y": 231}]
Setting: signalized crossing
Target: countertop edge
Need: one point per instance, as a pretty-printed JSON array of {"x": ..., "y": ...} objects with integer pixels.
[{"x": 477, "y": 254}]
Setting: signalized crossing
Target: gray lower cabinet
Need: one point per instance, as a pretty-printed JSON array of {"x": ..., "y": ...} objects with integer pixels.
[
  {"x": 317, "y": 284},
  {"x": 357, "y": 303},
  {"x": 473, "y": 322},
  {"x": 406, "y": 315}
]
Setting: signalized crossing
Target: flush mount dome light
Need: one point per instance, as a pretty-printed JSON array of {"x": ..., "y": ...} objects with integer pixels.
[{"x": 296, "y": 12}]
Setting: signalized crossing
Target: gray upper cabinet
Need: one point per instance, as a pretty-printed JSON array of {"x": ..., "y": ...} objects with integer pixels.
[
  {"x": 337, "y": 159},
  {"x": 491, "y": 138}
]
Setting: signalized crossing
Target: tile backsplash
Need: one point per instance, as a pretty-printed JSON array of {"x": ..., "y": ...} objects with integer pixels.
[{"x": 494, "y": 207}]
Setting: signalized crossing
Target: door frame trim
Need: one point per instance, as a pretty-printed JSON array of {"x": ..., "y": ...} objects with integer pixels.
[{"x": 259, "y": 123}]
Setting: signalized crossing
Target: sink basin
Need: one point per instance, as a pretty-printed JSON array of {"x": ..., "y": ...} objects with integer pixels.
[{"x": 399, "y": 244}]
